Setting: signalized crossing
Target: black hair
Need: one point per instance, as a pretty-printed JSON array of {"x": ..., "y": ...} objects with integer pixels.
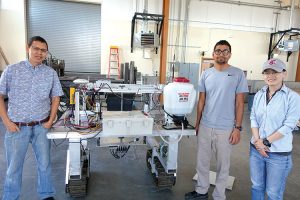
[
  {"x": 274, "y": 70},
  {"x": 37, "y": 38},
  {"x": 223, "y": 42}
]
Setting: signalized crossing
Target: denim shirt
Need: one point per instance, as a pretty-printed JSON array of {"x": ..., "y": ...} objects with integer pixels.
[
  {"x": 29, "y": 90},
  {"x": 281, "y": 114}
]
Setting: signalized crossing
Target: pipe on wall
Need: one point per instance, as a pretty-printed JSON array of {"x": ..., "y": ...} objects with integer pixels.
[
  {"x": 292, "y": 13},
  {"x": 248, "y": 4}
]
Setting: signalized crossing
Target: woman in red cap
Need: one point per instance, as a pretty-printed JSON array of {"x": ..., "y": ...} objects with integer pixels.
[{"x": 274, "y": 115}]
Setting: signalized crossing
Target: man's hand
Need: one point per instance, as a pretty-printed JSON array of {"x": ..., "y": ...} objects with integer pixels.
[
  {"x": 47, "y": 124},
  {"x": 11, "y": 127},
  {"x": 261, "y": 148},
  {"x": 235, "y": 137}
]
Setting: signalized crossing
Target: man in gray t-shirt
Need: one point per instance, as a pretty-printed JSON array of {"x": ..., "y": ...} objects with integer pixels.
[{"x": 219, "y": 120}]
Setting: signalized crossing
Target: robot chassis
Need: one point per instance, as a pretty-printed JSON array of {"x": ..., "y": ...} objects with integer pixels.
[{"x": 161, "y": 157}]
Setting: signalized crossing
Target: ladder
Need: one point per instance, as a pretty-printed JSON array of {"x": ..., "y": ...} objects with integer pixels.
[{"x": 114, "y": 62}]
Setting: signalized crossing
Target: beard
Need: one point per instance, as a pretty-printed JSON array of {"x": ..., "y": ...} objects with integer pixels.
[{"x": 221, "y": 61}]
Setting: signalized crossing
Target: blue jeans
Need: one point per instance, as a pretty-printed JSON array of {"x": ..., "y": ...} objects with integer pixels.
[
  {"x": 268, "y": 175},
  {"x": 16, "y": 145}
]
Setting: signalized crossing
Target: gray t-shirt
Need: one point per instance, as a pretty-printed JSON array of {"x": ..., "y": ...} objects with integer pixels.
[{"x": 220, "y": 88}]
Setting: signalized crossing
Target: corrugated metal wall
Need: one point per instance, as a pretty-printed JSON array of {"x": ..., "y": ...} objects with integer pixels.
[{"x": 72, "y": 30}]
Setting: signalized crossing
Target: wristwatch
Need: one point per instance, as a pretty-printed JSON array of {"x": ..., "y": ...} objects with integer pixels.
[
  {"x": 240, "y": 128},
  {"x": 266, "y": 142}
]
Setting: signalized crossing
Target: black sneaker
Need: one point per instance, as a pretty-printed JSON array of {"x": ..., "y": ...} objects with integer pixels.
[
  {"x": 195, "y": 195},
  {"x": 49, "y": 198}
]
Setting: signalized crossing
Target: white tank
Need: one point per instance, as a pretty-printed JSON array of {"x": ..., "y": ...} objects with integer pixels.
[{"x": 179, "y": 97}]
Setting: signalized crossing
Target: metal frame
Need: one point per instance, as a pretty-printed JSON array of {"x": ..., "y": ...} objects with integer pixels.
[
  {"x": 146, "y": 17},
  {"x": 78, "y": 144}
]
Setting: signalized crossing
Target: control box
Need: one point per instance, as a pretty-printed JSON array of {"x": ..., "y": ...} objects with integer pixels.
[{"x": 126, "y": 123}]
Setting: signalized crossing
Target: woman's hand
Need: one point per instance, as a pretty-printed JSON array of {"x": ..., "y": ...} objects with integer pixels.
[{"x": 261, "y": 148}]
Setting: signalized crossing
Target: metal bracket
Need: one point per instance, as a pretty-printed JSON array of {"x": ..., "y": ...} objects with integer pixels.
[
  {"x": 146, "y": 17},
  {"x": 292, "y": 32}
]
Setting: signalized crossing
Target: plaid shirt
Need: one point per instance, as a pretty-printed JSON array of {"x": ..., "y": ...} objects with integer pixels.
[{"x": 29, "y": 90}]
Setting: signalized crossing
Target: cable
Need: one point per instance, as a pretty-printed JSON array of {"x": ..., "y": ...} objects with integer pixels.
[
  {"x": 123, "y": 97},
  {"x": 58, "y": 144},
  {"x": 187, "y": 124},
  {"x": 76, "y": 128},
  {"x": 167, "y": 113},
  {"x": 119, "y": 151},
  {"x": 71, "y": 127},
  {"x": 155, "y": 104},
  {"x": 175, "y": 141}
]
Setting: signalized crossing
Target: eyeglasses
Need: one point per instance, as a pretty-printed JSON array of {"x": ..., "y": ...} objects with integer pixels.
[
  {"x": 225, "y": 52},
  {"x": 271, "y": 73},
  {"x": 36, "y": 49}
]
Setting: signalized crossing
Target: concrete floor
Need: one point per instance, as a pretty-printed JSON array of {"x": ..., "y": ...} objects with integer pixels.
[{"x": 129, "y": 178}]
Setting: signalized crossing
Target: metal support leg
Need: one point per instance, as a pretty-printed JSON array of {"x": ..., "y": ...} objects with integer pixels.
[
  {"x": 84, "y": 101},
  {"x": 77, "y": 114},
  {"x": 172, "y": 154},
  {"x": 78, "y": 168},
  {"x": 150, "y": 101},
  {"x": 74, "y": 159},
  {"x": 122, "y": 101},
  {"x": 164, "y": 175},
  {"x": 152, "y": 144},
  {"x": 84, "y": 144}
]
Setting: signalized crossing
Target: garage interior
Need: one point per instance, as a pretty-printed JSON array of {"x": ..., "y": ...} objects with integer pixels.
[{"x": 148, "y": 43}]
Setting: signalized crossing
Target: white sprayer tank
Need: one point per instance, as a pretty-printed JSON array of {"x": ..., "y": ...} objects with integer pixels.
[{"x": 179, "y": 97}]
